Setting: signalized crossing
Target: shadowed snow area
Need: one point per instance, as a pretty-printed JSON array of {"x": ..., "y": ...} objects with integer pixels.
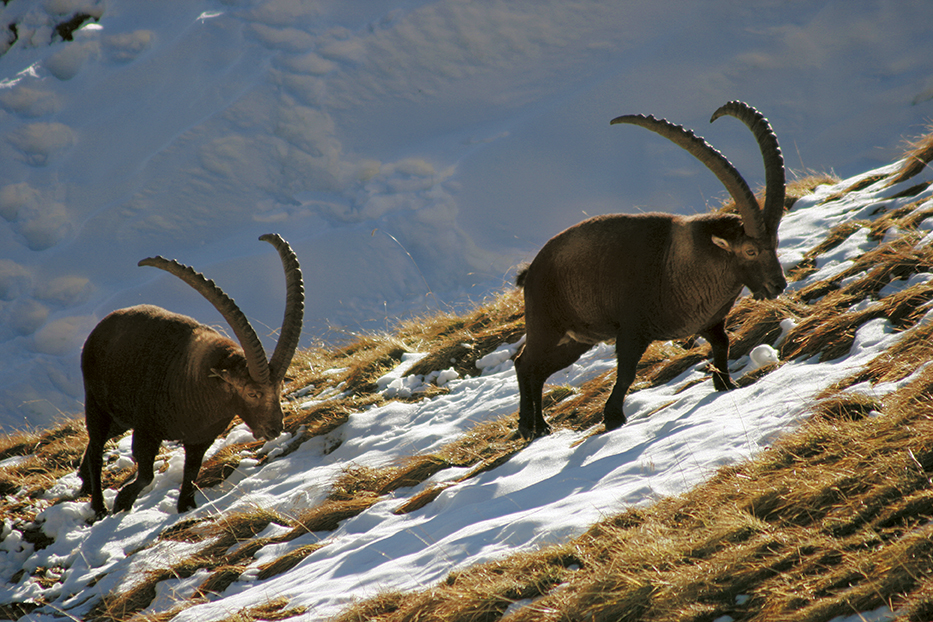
[{"x": 412, "y": 153}]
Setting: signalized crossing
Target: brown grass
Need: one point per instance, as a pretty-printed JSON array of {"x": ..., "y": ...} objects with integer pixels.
[
  {"x": 458, "y": 342},
  {"x": 328, "y": 515},
  {"x": 276, "y": 609},
  {"x": 286, "y": 562},
  {"x": 899, "y": 361},
  {"x": 219, "y": 534},
  {"x": 48, "y": 455},
  {"x": 450, "y": 340},
  {"x": 917, "y": 157}
]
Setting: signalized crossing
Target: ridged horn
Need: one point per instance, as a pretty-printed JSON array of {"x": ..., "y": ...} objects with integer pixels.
[
  {"x": 775, "y": 188},
  {"x": 255, "y": 355},
  {"x": 713, "y": 160},
  {"x": 294, "y": 308}
]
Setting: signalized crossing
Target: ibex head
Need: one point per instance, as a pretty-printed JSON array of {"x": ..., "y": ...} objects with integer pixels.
[{"x": 253, "y": 382}]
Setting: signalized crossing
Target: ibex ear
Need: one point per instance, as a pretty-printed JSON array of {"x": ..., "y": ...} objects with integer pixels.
[{"x": 722, "y": 243}]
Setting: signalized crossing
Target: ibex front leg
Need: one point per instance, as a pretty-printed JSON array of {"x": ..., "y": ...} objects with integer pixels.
[
  {"x": 719, "y": 342},
  {"x": 629, "y": 350}
]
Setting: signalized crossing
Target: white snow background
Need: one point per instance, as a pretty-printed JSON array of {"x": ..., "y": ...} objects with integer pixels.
[
  {"x": 411, "y": 151},
  {"x": 552, "y": 490}
]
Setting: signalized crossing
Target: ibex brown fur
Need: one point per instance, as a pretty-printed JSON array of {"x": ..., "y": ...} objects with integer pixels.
[
  {"x": 641, "y": 278},
  {"x": 167, "y": 377}
]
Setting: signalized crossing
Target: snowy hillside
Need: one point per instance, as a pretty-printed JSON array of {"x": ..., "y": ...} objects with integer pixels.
[
  {"x": 411, "y": 152},
  {"x": 679, "y": 433}
]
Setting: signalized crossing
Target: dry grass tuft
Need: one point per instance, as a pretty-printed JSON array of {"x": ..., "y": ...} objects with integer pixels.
[
  {"x": 846, "y": 407},
  {"x": 328, "y": 515},
  {"x": 412, "y": 471},
  {"x": 286, "y": 562},
  {"x": 276, "y": 609},
  {"x": 221, "y": 578},
  {"x": 918, "y": 156},
  {"x": 46, "y": 456},
  {"x": 906, "y": 218},
  {"x": 123, "y": 605},
  {"x": 754, "y": 322},
  {"x": 422, "y": 498},
  {"x": 458, "y": 342},
  {"x": 479, "y": 593},
  {"x": 220, "y": 466},
  {"x": 831, "y": 332},
  {"x": 452, "y": 340},
  {"x": 374, "y": 357},
  {"x": 373, "y": 609},
  {"x": 806, "y": 183}
]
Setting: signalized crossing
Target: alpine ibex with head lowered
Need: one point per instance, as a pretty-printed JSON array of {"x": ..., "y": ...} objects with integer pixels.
[
  {"x": 167, "y": 377},
  {"x": 646, "y": 277}
]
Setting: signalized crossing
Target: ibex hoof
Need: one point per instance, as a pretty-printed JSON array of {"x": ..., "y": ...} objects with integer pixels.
[
  {"x": 722, "y": 382},
  {"x": 613, "y": 418},
  {"x": 530, "y": 434}
]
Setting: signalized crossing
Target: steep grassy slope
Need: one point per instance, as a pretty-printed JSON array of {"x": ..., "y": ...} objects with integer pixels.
[{"x": 833, "y": 519}]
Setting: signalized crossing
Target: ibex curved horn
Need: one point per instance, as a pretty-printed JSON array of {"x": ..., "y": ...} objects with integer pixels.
[
  {"x": 252, "y": 347},
  {"x": 775, "y": 181},
  {"x": 294, "y": 308},
  {"x": 713, "y": 160},
  {"x": 260, "y": 369}
]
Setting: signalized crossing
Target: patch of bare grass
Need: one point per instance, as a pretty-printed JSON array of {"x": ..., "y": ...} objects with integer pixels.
[
  {"x": 896, "y": 363},
  {"x": 286, "y": 562},
  {"x": 831, "y": 332},
  {"x": 459, "y": 341},
  {"x": 755, "y": 322},
  {"x": 45, "y": 457},
  {"x": 917, "y": 157},
  {"x": 905, "y": 218},
  {"x": 271, "y": 611},
  {"x": 328, "y": 515}
]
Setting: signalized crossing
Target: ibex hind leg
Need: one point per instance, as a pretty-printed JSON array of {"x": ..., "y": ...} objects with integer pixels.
[
  {"x": 533, "y": 367},
  {"x": 100, "y": 429},
  {"x": 145, "y": 449},
  {"x": 629, "y": 351}
]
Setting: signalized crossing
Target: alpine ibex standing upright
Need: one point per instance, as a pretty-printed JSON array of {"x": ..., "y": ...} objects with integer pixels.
[
  {"x": 167, "y": 377},
  {"x": 641, "y": 278}
]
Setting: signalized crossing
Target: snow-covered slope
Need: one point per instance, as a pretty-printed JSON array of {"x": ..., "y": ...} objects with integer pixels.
[
  {"x": 678, "y": 434},
  {"x": 412, "y": 152}
]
